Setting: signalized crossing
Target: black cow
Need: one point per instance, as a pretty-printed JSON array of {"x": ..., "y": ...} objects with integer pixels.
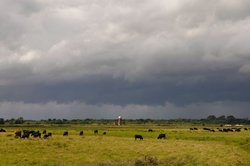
[
  {"x": 26, "y": 134},
  {"x": 237, "y": 130},
  {"x": 161, "y": 136},
  {"x": 150, "y": 130},
  {"x": 81, "y": 133},
  {"x": 66, "y": 133},
  {"x": 2, "y": 130},
  {"x": 95, "y": 131},
  {"x": 47, "y": 135},
  {"x": 227, "y": 130},
  {"x": 138, "y": 137},
  {"x": 208, "y": 129},
  {"x": 104, "y": 133},
  {"x": 44, "y": 131},
  {"x": 36, "y": 134},
  {"x": 18, "y": 134},
  {"x": 31, "y": 132}
]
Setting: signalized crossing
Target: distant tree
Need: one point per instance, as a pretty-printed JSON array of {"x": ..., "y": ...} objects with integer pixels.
[
  {"x": 231, "y": 119},
  {"x": 222, "y": 117},
  {"x": 59, "y": 121},
  {"x": 211, "y": 117},
  {"x": 1, "y": 121},
  {"x": 19, "y": 120},
  {"x": 11, "y": 121}
]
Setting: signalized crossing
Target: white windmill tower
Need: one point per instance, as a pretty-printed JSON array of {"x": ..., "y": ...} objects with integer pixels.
[{"x": 119, "y": 120}]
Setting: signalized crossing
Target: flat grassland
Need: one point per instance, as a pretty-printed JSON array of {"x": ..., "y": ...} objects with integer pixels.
[{"x": 118, "y": 147}]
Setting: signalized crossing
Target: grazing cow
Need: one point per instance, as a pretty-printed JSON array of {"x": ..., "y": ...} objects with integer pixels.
[
  {"x": 206, "y": 129},
  {"x": 36, "y": 134},
  {"x": 195, "y": 128},
  {"x": 150, "y": 130},
  {"x": 161, "y": 136},
  {"x": 227, "y": 130},
  {"x": 26, "y": 131},
  {"x": 26, "y": 134},
  {"x": 44, "y": 131},
  {"x": 138, "y": 137},
  {"x": 66, "y": 133},
  {"x": 95, "y": 131},
  {"x": 81, "y": 133},
  {"x": 2, "y": 130},
  {"x": 104, "y": 133},
  {"x": 31, "y": 132},
  {"x": 18, "y": 134},
  {"x": 191, "y": 129},
  {"x": 47, "y": 135},
  {"x": 237, "y": 130}
]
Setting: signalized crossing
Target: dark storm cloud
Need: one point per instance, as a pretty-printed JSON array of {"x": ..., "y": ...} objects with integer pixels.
[
  {"x": 121, "y": 93},
  {"x": 76, "y": 110},
  {"x": 122, "y": 53}
]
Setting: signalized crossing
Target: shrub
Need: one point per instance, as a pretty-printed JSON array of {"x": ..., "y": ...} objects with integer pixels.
[{"x": 147, "y": 161}]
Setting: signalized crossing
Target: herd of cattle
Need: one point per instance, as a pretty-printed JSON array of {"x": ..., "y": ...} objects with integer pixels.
[
  {"x": 223, "y": 129},
  {"x": 44, "y": 134},
  {"x": 35, "y": 134}
]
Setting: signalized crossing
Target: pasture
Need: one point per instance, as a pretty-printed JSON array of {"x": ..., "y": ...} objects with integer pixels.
[{"x": 119, "y": 147}]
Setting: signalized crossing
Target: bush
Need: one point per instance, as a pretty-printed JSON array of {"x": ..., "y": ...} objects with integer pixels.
[{"x": 147, "y": 161}]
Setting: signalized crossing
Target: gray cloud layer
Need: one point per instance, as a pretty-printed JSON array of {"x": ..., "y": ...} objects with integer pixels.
[
  {"x": 111, "y": 52},
  {"x": 76, "y": 110}
]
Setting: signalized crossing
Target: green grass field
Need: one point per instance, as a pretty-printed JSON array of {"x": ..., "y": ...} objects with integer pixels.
[{"x": 118, "y": 147}]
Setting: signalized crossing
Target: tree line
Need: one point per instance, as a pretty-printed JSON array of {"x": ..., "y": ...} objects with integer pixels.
[{"x": 211, "y": 119}]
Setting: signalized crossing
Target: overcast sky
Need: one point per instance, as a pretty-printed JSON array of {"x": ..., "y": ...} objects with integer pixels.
[{"x": 140, "y": 59}]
